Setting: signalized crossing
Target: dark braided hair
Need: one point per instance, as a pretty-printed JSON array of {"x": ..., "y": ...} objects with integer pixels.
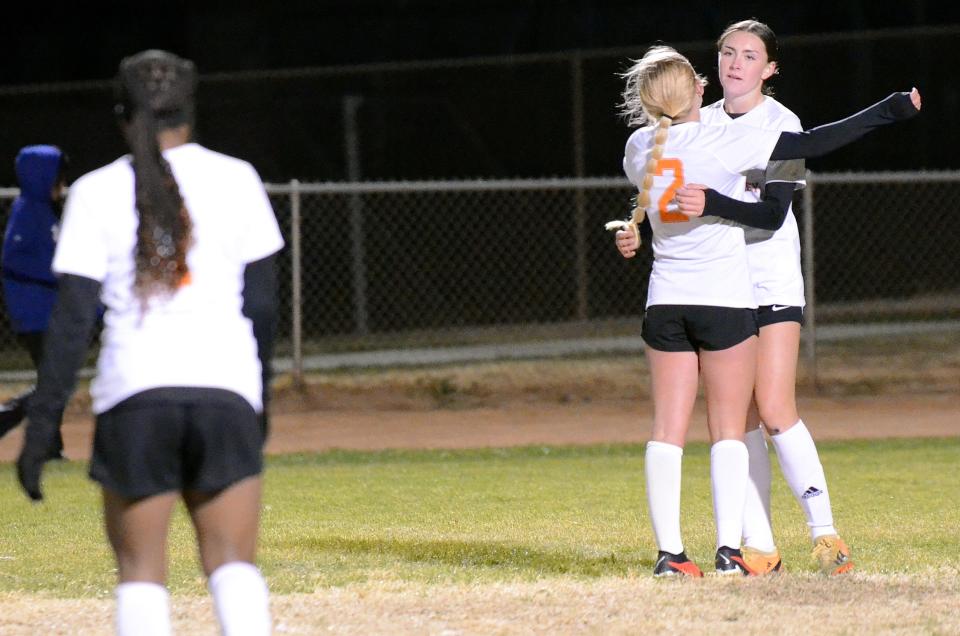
[{"x": 155, "y": 91}]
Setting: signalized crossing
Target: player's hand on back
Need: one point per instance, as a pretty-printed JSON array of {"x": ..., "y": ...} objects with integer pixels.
[
  {"x": 690, "y": 199},
  {"x": 915, "y": 98}
]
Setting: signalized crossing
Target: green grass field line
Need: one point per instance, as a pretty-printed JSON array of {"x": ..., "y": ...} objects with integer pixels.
[{"x": 497, "y": 515}]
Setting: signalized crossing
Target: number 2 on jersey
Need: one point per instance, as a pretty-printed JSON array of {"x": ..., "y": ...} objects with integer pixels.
[{"x": 676, "y": 167}]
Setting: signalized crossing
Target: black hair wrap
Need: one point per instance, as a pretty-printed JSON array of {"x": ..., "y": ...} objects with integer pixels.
[{"x": 160, "y": 83}]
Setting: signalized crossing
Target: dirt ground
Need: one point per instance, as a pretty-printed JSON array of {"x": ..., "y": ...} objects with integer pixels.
[
  {"x": 562, "y": 403},
  {"x": 716, "y": 605}
]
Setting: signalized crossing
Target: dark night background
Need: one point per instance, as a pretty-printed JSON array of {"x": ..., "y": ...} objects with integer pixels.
[
  {"x": 451, "y": 89},
  {"x": 274, "y": 77}
]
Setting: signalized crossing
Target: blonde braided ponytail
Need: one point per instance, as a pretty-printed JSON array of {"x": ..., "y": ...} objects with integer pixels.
[
  {"x": 642, "y": 201},
  {"x": 659, "y": 86}
]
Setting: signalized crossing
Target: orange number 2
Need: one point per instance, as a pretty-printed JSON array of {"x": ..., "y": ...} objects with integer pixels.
[{"x": 675, "y": 166}]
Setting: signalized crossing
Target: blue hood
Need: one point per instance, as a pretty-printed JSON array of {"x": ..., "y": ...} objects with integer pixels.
[
  {"x": 37, "y": 168},
  {"x": 29, "y": 287}
]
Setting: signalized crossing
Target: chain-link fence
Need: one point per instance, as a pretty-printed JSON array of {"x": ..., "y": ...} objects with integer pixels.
[
  {"x": 388, "y": 266},
  {"x": 880, "y": 255},
  {"x": 512, "y": 116},
  {"x": 885, "y": 245}
]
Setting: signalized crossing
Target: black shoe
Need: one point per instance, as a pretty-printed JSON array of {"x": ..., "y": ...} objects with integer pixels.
[
  {"x": 669, "y": 564},
  {"x": 730, "y": 561}
]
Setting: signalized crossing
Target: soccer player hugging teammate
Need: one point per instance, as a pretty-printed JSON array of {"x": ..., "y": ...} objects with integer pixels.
[
  {"x": 179, "y": 242},
  {"x": 701, "y": 313},
  {"x": 748, "y": 57}
]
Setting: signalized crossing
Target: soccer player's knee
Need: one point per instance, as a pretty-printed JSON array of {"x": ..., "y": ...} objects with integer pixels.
[{"x": 777, "y": 410}]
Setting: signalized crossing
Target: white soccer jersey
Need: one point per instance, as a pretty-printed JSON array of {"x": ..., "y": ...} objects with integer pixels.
[
  {"x": 774, "y": 256},
  {"x": 197, "y": 337},
  {"x": 700, "y": 260}
]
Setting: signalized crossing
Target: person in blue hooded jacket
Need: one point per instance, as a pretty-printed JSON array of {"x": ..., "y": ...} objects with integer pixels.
[{"x": 29, "y": 285}]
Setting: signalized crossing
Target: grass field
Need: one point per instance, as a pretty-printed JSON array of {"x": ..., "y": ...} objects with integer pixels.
[
  {"x": 522, "y": 540},
  {"x": 550, "y": 538}
]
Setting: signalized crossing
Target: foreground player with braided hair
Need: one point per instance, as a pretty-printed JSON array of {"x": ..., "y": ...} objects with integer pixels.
[
  {"x": 179, "y": 242},
  {"x": 701, "y": 310}
]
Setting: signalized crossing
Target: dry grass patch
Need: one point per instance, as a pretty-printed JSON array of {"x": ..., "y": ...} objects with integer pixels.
[
  {"x": 790, "y": 604},
  {"x": 928, "y": 363}
]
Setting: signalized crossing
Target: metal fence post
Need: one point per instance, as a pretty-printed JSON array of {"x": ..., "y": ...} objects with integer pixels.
[
  {"x": 351, "y": 133},
  {"x": 580, "y": 204},
  {"x": 296, "y": 281},
  {"x": 810, "y": 313}
]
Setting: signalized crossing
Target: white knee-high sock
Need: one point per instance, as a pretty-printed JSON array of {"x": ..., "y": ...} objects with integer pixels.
[
  {"x": 803, "y": 471},
  {"x": 143, "y": 609},
  {"x": 662, "y": 465},
  {"x": 757, "y": 531},
  {"x": 729, "y": 465},
  {"x": 241, "y": 599}
]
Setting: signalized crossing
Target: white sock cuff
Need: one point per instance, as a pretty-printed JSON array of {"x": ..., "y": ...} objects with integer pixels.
[
  {"x": 142, "y": 589},
  {"x": 797, "y": 429},
  {"x": 232, "y": 571},
  {"x": 725, "y": 444},
  {"x": 664, "y": 447}
]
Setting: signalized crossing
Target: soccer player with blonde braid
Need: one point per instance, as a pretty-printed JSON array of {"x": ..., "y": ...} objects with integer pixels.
[{"x": 701, "y": 310}]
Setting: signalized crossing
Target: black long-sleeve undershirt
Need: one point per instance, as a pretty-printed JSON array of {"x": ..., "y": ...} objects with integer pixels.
[
  {"x": 770, "y": 212},
  {"x": 65, "y": 347},
  {"x": 829, "y": 137},
  {"x": 766, "y": 214},
  {"x": 260, "y": 302}
]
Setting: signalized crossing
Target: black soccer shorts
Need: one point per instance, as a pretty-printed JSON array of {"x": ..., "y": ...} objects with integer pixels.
[
  {"x": 176, "y": 439},
  {"x": 696, "y": 327}
]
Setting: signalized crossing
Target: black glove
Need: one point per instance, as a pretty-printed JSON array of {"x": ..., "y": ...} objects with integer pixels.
[
  {"x": 901, "y": 107},
  {"x": 41, "y": 443}
]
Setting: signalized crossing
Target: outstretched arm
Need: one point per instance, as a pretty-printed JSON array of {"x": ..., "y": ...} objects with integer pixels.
[
  {"x": 829, "y": 137},
  {"x": 767, "y": 214}
]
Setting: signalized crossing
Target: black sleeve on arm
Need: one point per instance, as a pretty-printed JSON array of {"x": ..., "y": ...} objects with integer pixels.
[
  {"x": 767, "y": 214},
  {"x": 645, "y": 230},
  {"x": 828, "y": 137},
  {"x": 65, "y": 347},
  {"x": 260, "y": 306}
]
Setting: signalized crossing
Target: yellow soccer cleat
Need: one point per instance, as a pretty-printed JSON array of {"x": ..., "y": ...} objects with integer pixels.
[
  {"x": 762, "y": 563},
  {"x": 832, "y": 555}
]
